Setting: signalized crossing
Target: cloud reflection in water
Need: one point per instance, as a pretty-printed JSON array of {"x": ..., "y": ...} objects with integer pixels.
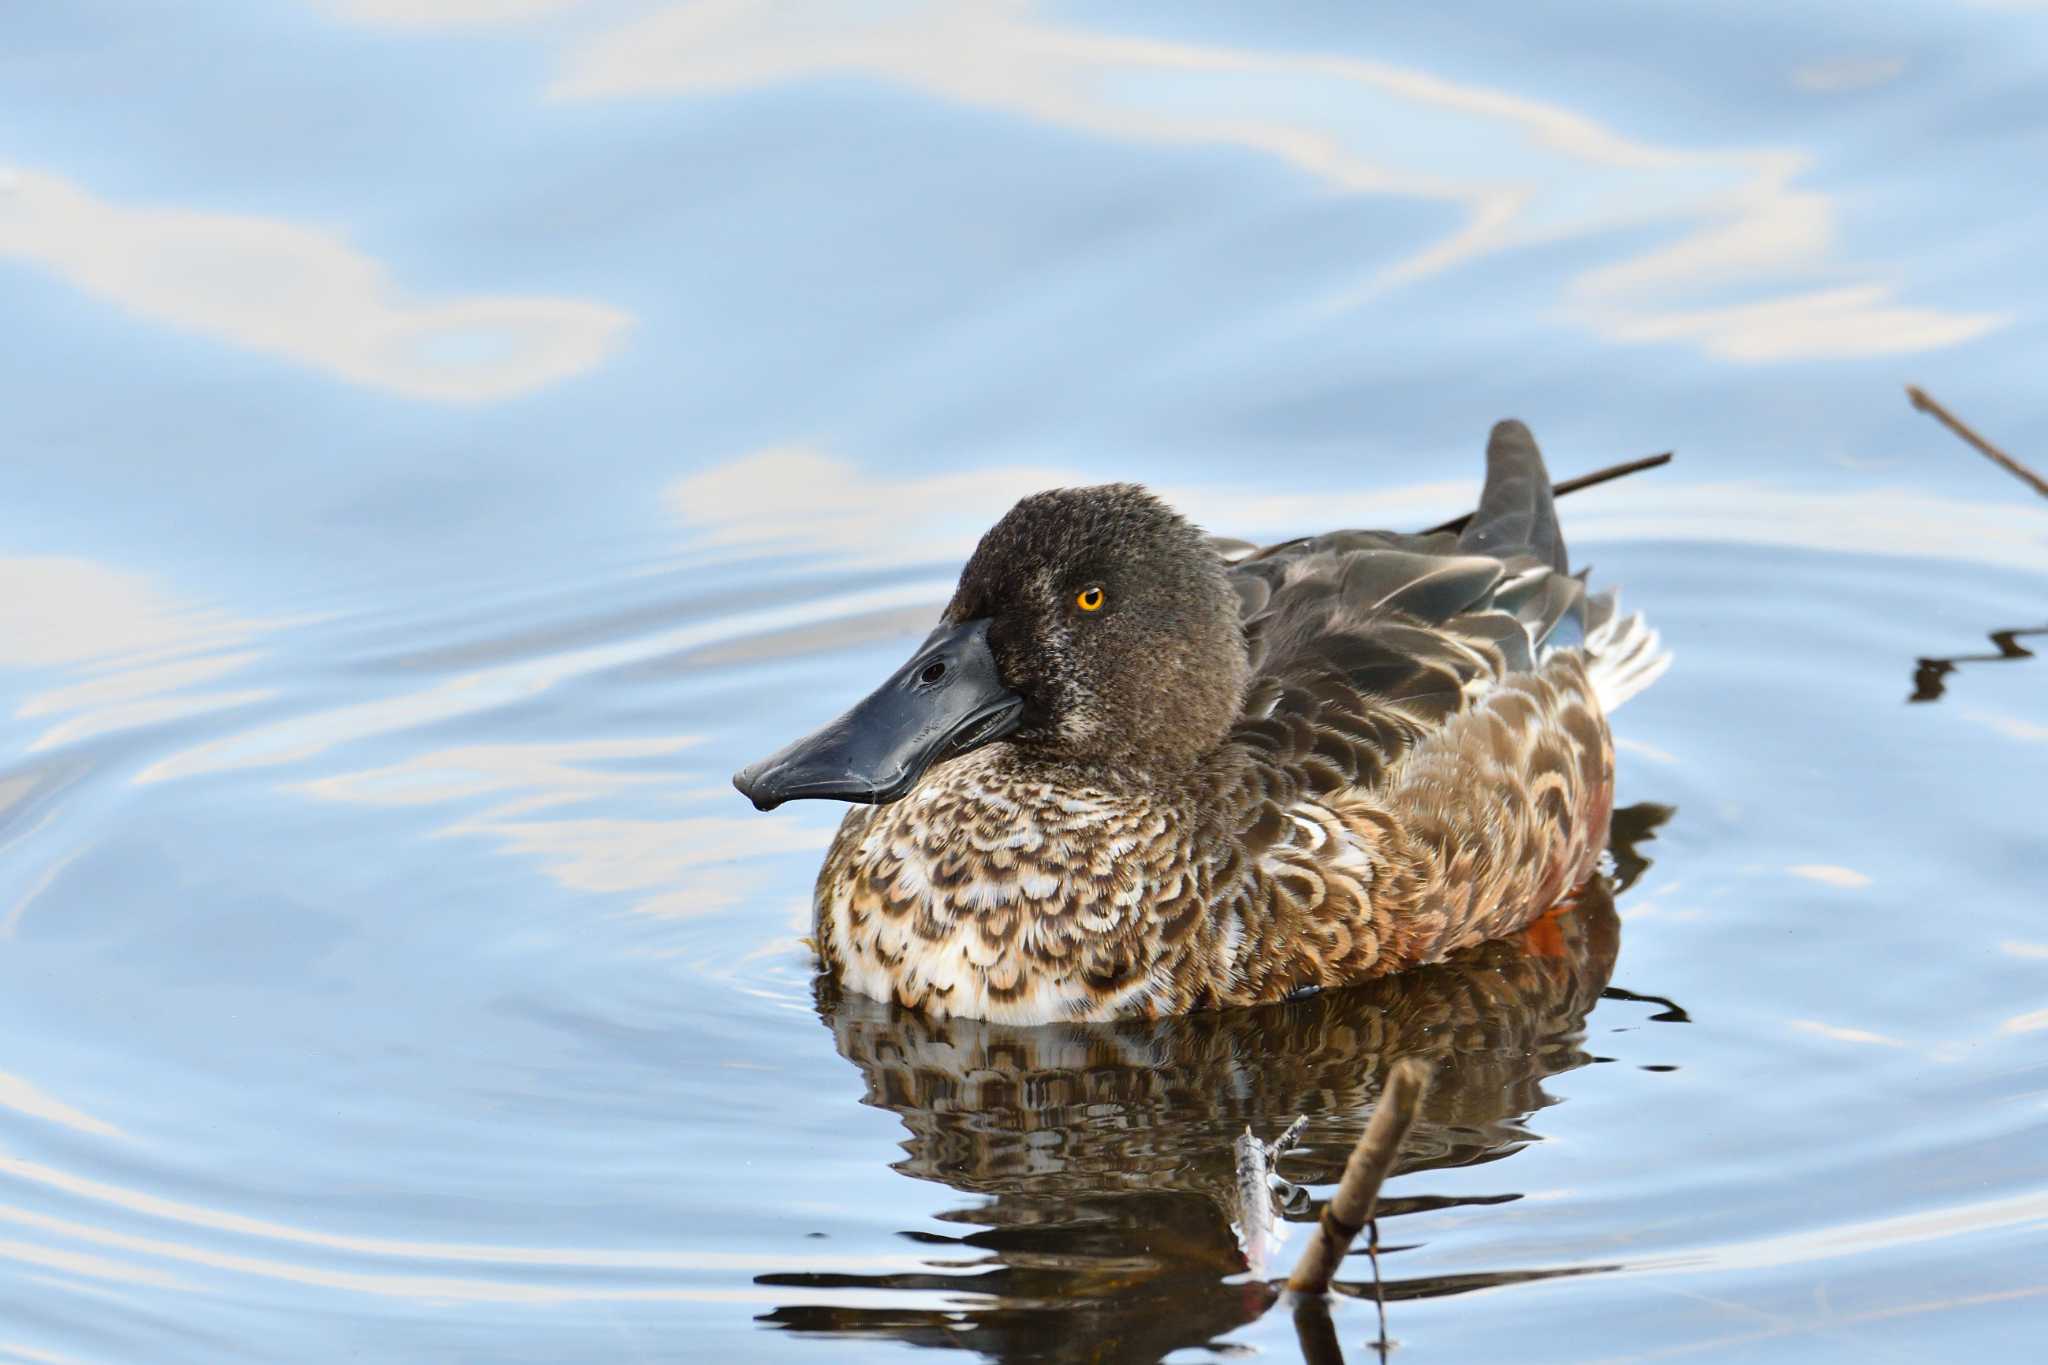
[
  {"x": 106, "y": 649},
  {"x": 801, "y": 498},
  {"x": 672, "y": 865},
  {"x": 1749, "y": 269},
  {"x": 300, "y": 293}
]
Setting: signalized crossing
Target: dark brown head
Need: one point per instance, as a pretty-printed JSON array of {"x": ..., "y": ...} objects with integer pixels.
[
  {"x": 1093, "y": 628},
  {"x": 1112, "y": 618}
]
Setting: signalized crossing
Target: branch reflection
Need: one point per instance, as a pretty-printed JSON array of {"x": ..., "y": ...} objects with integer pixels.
[{"x": 1930, "y": 676}]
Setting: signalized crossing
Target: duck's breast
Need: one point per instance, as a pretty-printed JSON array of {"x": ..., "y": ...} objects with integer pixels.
[{"x": 993, "y": 896}]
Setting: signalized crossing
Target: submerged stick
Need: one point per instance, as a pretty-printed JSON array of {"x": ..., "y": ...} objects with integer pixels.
[
  {"x": 1558, "y": 490},
  {"x": 1992, "y": 452},
  {"x": 1315, "y": 1333},
  {"x": 1351, "y": 1207},
  {"x": 1257, "y": 1225},
  {"x": 1257, "y": 1228}
]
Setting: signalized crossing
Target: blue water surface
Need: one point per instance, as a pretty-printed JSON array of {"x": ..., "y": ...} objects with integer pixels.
[{"x": 445, "y": 438}]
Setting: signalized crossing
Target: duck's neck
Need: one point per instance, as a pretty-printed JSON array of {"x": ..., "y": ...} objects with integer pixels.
[
  {"x": 1102, "y": 776},
  {"x": 1024, "y": 797}
]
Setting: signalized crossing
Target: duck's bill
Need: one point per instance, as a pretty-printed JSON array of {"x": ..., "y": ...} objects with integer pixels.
[{"x": 947, "y": 700}]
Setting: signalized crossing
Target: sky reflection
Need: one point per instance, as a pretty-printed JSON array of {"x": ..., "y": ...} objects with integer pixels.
[
  {"x": 1519, "y": 171},
  {"x": 297, "y": 292},
  {"x": 447, "y": 436},
  {"x": 93, "y": 650},
  {"x": 638, "y": 198},
  {"x": 789, "y": 499},
  {"x": 675, "y": 866}
]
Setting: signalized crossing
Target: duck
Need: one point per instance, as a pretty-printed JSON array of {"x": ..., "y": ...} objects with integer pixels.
[{"x": 1136, "y": 771}]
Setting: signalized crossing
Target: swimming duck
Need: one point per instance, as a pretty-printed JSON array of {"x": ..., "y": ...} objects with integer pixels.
[{"x": 1138, "y": 772}]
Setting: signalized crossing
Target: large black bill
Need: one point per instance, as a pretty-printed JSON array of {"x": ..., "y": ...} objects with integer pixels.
[{"x": 947, "y": 700}]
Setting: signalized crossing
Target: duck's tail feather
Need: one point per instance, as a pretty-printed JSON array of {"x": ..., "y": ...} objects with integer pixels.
[
  {"x": 1516, "y": 519},
  {"x": 1517, "y": 524},
  {"x": 1623, "y": 654}
]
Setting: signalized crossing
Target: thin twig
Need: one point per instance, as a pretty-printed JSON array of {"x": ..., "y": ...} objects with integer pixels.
[
  {"x": 1351, "y": 1207},
  {"x": 1288, "y": 1137},
  {"x": 1558, "y": 490},
  {"x": 1957, "y": 425},
  {"x": 1379, "y": 1288}
]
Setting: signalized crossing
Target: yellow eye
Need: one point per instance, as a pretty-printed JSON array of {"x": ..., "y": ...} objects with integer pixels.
[{"x": 1090, "y": 599}]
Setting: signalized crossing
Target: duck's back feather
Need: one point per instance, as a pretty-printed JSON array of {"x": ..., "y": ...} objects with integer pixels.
[
  {"x": 1430, "y": 622},
  {"x": 1439, "y": 697}
]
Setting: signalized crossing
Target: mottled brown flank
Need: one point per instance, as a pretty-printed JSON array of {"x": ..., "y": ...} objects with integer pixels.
[{"x": 1398, "y": 786}]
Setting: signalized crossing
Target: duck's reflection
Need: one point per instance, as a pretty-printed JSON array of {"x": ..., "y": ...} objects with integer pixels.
[{"x": 1102, "y": 1156}]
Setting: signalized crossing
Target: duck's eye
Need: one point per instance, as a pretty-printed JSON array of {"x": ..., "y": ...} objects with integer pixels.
[{"x": 1089, "y": 599}]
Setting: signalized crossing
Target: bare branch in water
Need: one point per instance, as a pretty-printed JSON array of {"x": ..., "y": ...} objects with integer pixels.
[
  {"x": 1351, "y": 1207},
  {"x": 1315, "y": 1333},
  {"x": 1992, "y": 452},
  {"x": 1558, "y": 490}
]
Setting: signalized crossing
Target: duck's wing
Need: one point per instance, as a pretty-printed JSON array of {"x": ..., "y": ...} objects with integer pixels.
[
  {"x": 1364, "y": 642},
  {"x": 1422, "y": 762}
]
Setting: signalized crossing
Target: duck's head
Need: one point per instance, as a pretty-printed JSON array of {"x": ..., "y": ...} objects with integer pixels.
[{"x": 1093, "y": 628}]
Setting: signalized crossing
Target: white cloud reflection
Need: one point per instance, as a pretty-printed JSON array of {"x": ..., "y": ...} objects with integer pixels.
[
  {"x": 131, "y": 653},
  {"x": 186, "y": 1218},
  {"x": 502, "y": 684},
  {"x": 306, "y": 295},
  {"x": 673, "y": 865},
  {"x": 1522, "y": 171},
  {"x": 24, "y": 1097},
  {"x": 673, "y": 868},
  {"x": 443, "y": 13},
  {"x": 1840, "y": 1034},
  {"x": 797, "y": 495},
  {"x": 1833, "y": 322},
  {"x": 57, "y": 610},
  {"x": 1844, "y": 878},
  {"x": 1841, "y": 75},
  {"x": 799, "y": 498},
  {"x": 2012, "y": 727},
  {"x": 562, "y": 1286}
]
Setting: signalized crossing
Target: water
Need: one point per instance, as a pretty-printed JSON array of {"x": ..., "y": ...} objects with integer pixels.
[{"x": 444, "y": 440}]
